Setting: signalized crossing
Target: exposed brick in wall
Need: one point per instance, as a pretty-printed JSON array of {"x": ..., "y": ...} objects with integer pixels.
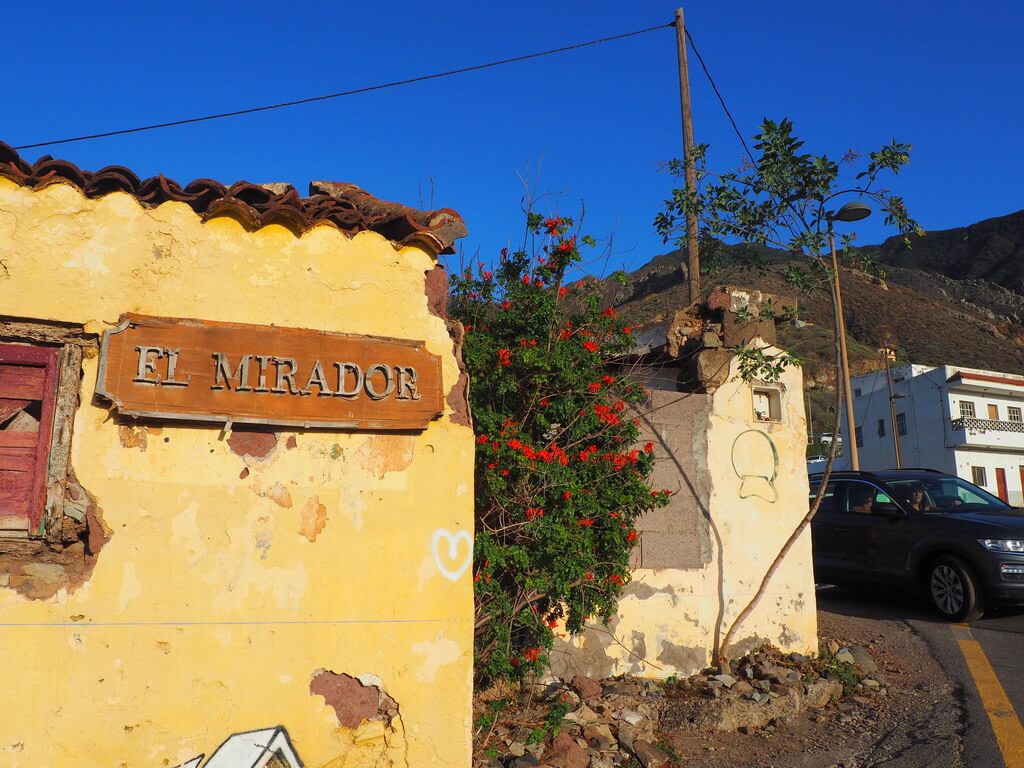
[{"x": 677, "y": 535}]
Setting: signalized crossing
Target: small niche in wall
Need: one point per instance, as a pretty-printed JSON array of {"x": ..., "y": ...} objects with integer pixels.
[{"x": 767, "y": 404}]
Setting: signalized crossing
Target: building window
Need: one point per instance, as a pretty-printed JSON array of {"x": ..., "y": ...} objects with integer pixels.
[
  {"x": 40, "y": 380},
  {"x": 881, "y": 427},
  {"x": 856, "y": 391},
  {"x": 859, "y": 435},
  {"x": 767, "y": 404},
  {"x": 1014, "y": 414},
  {"x": 28, "y": 394},
  {"x": 993, "y": 412},
  {"x": 901, "y": 423},
  {"x": 978, "y": 476},
  {"x": 898, "y": 378},
  {"x": 966, "y": 409}
]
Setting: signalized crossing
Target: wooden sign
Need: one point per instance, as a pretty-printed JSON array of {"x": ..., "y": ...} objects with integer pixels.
[{"x": 227, "y": 372}]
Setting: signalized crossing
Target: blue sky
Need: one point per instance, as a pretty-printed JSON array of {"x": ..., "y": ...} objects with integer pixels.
[{"x": 588, "y": 127}]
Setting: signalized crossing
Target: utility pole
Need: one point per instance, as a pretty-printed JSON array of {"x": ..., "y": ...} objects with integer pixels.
[
  {"x": 693, "y": 256},
  {"x": 886, "y": 352},
  {"x": 810, "y": 419}
]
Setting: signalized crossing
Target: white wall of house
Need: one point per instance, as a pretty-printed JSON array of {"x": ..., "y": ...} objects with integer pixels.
[
  {"x": 937, "y": 435},
  {"x": 990, "y": 461}
]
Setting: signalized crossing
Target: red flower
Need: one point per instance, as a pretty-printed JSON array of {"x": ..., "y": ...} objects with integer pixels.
[
  {"x": 566, "y": 246},
  {"x": 526, "y": 279},
  {"x": 567, "y": 495},
  {"x": 585, "y": 522},
  {"x": 594, "y": 386},
  {"x": 487, "y": 275},
  {"x": 552, "y": 225},
  {"x": 504, "y": 473},
  {"x": 591, "y": 346},
  {"x": 506, "y": 304},
  {"x": 610, "y": 312},
  {"x": 562, "y": 291},
  {"x": 544, "y": 402},
  {"x": 608, "y": 379},
  {"x": 482, "y": 439},
  {"x": 648, "y": 447},
  {"x": 615, "y": 579},
  {"x": 627, "y": 330},
  {"x": 552, "y": 623},
  {"x": 504, "y": 356},
  {"x": 532, "y": 654},
  {"x": 632, "y": 536}
]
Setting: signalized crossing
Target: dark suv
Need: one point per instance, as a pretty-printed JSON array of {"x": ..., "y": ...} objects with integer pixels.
[{"x": 962, "y": 546}]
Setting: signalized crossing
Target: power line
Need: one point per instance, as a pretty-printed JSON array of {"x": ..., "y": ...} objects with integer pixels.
[
  {"x": 340, "y": 94},
  {"x": 721, "y": 100}
]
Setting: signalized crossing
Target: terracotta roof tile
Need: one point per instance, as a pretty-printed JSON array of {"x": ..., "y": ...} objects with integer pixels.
[{"x": 342, "y": 205}]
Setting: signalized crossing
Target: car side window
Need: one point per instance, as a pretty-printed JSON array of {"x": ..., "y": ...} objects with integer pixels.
[
  {"x": 828, "y": 501},
  {"x": 862, "y": 498}
]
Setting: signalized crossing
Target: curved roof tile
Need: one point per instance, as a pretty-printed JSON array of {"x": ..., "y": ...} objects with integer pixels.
[{"x": 345, "y": 206}]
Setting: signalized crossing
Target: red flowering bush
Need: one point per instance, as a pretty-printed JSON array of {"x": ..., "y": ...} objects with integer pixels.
[{"x": 559, "y": 479}]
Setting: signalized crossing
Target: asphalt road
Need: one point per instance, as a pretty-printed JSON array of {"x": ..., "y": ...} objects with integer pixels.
[{"x": 999, "y": 639}]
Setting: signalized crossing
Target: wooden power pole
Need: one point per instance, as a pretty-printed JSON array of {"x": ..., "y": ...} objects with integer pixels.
[{"x": 693, "y": 255}]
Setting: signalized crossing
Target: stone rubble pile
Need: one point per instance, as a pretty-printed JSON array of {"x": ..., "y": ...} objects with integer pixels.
[{"x": 627, "y": 721}]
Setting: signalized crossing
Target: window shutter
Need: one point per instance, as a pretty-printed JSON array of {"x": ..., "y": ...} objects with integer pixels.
[{"x": 28, "y": 393}]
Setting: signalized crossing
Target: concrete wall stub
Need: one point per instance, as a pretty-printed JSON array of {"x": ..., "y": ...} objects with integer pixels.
[
  {"x": 236, "y": 571},
  {"x": 750, "y": 476}
]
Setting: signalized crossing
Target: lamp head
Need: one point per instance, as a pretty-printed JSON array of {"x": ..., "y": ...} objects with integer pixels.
[{"x": 852, "y": 211}]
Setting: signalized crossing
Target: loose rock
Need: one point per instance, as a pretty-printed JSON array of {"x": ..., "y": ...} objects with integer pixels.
[
  {"x": 566, "y": 753},
  {"x": 630, "y": 716},
  {"x": 586, "y": 687},
  {"x": 649, "y": 755}
]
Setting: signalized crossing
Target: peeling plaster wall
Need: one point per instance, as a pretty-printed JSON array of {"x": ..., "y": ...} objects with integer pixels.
[
  {"x": 668, "y": 617},
  {"x": 233, "y": 575}
]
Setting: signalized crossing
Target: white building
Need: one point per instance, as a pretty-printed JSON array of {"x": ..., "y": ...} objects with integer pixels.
[{"x": 962, "y": 421}]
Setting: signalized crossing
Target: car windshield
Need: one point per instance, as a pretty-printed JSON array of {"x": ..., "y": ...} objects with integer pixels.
[{"x": 946, "y": 494}]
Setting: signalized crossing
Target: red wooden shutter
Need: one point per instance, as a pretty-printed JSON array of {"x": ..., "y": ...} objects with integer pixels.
[
  {"x": 1001, "y": 485},
  {"x": 28, "y": 394}
]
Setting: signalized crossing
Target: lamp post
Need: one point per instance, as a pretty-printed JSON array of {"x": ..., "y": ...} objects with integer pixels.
[
  {"x": 887, "y": 355},
  {"x": 854, "y": 211}
]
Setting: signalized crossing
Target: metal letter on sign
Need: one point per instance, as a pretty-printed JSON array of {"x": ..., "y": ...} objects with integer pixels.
[{"x": 199, "y": 370}]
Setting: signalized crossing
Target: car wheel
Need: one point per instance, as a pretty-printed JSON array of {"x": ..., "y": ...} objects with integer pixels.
[{"x": 953, "y": 589}]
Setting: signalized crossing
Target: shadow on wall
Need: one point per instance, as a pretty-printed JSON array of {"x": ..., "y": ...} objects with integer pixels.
[{"x": 700, "y": 500}]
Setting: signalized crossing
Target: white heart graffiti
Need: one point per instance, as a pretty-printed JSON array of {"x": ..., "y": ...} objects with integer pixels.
[{"x": 453, "y": 552}]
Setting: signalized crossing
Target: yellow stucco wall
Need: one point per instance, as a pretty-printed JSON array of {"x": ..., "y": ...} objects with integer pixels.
[
  {"x": 668, "y": 618},
  {"x": 208, "y": 612}
]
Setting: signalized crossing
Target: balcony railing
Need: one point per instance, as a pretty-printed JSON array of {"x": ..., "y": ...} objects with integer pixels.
[{"x": 988, "y": 425}]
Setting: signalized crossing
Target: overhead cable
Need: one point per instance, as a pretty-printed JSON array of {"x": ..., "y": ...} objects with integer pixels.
[{"x": 340, "y": 94}]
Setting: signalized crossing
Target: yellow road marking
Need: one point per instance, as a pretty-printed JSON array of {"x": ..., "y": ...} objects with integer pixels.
[{"x": 1007, "y": 727}]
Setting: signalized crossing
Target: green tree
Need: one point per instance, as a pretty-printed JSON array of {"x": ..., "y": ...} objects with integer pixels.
[
  {"x": 560, "y": 479},
  {"x": 785, "y": 198}
]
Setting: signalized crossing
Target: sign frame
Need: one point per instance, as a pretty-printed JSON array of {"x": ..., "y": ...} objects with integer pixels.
[{"x": 431, "y": 371}]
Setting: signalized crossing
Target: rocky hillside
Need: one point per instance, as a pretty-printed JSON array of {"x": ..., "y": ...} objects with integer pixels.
[
  {"x": 956, "y": 298},
  {"x": 991, "y": 251}
]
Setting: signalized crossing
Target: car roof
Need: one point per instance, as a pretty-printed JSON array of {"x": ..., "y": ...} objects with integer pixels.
[{"x": 882, "y": 475}]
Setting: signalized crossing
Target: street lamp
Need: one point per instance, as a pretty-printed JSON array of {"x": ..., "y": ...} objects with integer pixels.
[{"x": 853, "y": 211}]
